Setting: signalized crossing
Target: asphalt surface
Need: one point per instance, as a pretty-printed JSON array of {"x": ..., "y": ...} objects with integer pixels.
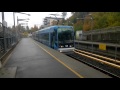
[
  {"x": 31, "y": 59},
  {"x": 80, "y": 69},
  {"x": 33, "y": 62}
]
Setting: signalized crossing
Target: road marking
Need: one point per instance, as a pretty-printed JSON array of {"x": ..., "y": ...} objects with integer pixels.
[{"x": 60, "y": 61}]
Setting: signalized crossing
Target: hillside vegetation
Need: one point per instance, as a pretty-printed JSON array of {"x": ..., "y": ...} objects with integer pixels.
[{"x": 93, "y": 20}]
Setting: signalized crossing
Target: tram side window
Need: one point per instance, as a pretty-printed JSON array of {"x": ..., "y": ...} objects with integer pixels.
[
  {"x": 46, "y": 36},
  {"x": 55, "y": 34}
]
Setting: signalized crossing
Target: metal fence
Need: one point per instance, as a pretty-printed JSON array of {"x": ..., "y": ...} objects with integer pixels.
[
  {"x": 109, "y": 35},
  {"x": 103, "y": 30},
  {"x": 8, "y": 39}
]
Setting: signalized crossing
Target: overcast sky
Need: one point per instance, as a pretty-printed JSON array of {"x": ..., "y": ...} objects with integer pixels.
[{"x": 36, "y": 18}]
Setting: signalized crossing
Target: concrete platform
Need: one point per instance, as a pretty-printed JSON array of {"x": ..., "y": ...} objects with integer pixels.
[
  {"x": 82, "y": 69},
  {"x": 8, "y": 72},
  {"x": 35, "y": 60}
]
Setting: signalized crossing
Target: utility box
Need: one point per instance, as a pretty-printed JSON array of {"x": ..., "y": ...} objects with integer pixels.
[
  {"x": 102, "y": 46},
  {"x": 80, "y": 36}
]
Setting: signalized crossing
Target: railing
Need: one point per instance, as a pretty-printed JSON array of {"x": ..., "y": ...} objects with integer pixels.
[
  {"x": 103, "y": 30},
  {"x": 10, "y": 40}
]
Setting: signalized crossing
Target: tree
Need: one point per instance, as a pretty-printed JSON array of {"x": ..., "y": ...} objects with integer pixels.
[{"x": 33, "y": 29}]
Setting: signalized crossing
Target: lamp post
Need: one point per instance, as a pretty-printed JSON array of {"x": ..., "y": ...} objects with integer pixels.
[
  {"x": 20, "y": 13},
  {"x": 17, "y": 21},
  {"x": 4, "y": 36},
  {"x": 14, "y": 26},
  {"x": 14, "y": 16},
  {"x": 91, "y": 24},
  {"x": 91, "y": 21},
  {"x": 22, "y": 23},
  {"x": 14, "y": 19},
  {"x": 22, "y": 20},
  {"x": 91, "y": 29}
]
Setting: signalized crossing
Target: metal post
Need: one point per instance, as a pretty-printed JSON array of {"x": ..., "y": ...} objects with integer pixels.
[
  {"x": 115, "y": 51},
  {"x": 91, "y": 29},
  {"x": 91, "y": 41},
  {"x": 16, "y": 31},
  {"x": 17, "y": 20},
  {"x": 91, "y": 22},
  {"x": 18, "y": 28},
  {"x": 4, "y": 38},
  {"x": 14, "y": 26},
  {"x": 14, "y": 19}
]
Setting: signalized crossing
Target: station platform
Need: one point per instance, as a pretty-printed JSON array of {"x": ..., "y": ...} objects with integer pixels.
[{"x": 31, "y": 59}]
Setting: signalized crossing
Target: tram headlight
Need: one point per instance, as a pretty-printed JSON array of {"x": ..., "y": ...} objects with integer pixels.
[
  {"x": 70, "y": 45},
  {"x": 61, "y": 46},
  {"x": 60, "y": 51}
]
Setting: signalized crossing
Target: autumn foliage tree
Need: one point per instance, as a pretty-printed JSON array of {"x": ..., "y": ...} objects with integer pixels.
[
  {"x": 87, "y": 24},
  {"x": 78, "y": 26},
  {"x": 100, "y": 20}
]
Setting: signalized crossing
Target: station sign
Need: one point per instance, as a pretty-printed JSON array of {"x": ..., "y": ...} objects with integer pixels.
[{"x": 102, "y": 46}]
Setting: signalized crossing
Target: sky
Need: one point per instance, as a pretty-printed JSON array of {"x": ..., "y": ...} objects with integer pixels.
[{"x": 36, "y": 18}]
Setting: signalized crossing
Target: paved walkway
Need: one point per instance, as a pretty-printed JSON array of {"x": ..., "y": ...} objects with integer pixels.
[{"x": 29, "y": 61}]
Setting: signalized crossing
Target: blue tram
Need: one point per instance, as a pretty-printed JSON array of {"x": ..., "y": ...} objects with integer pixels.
[{"x": 60, "y": 38}]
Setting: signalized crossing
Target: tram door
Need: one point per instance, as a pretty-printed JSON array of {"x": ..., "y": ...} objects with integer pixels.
[{"x": 52, "y": 41}]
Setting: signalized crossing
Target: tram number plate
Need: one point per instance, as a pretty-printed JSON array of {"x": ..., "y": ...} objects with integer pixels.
[{"x": 66, "y": 45}]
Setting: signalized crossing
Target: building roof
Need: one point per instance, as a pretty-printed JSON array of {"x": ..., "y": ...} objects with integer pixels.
[{"x": 53, "y": 18}]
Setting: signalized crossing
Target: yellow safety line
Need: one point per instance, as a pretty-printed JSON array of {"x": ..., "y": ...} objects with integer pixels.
[
  {"x": 109, "y": 59},
  {"x": 60, "y": 62},
  {"x": 99, "y": 60}
]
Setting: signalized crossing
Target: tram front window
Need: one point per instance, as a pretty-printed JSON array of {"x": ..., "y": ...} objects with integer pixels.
[{"x": 65, "y": 37}]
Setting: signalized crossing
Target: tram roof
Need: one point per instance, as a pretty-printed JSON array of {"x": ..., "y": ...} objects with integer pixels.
[{"x": 54, "y": 27}]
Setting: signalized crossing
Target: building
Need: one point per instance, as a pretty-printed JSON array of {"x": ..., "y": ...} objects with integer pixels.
[{"x": 49, "y": 20}]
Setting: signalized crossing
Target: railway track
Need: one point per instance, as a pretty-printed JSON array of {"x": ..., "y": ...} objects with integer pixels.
[{"x": 107, "y": 65}]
